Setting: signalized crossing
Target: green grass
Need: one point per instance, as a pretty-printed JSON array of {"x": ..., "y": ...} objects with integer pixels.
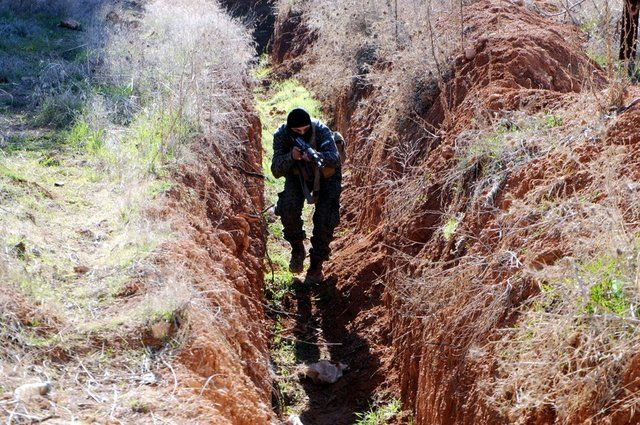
[
  {"x": 589, "y": 25},
  {"x": 607, "y": 292},
  {"x": 34, "y": 340},
  {"x": 263, "y": 69},
  {"x": 492, "y": 146},
  {"x": 379, "y": 415},
  {"x": 36, "y": 34},
  {"x": 599, "y": 58},
  {"x": 552, "y": 120},
  {"x": 115, "y": 91},
  {"x": 82, "y": 137},
  {"x": 449, "y": 228},
  {"x": 140, "y": 406},
  {"x": 58, "y": 110},
  {"x": 49, "y": 141},
  {"x": 89, "y": 195},
  {"x": 10, "y": 174},
  {"x": 166, "y": 315},
  {"x": 159, "y": 187},
  {"x": 38, "y": 289},
  {"x": 608, "y": 296},
  {"x": 290, "y": 94},
  {"x": 149, "y": 143},
  {"x": 282, "y": 277},
  {"x": 36, "y": 49},
  {"x": 275, "y": 229},
  {"x": 153, "y": 139}
]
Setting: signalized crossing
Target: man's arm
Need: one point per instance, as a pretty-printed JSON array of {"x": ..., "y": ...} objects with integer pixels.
[
  {"x": 282, "y": 160},
  {"x": 326, "y": 146}
]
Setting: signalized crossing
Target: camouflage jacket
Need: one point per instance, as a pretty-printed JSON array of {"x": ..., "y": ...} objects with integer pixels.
[{"x": 283, "y": 163}]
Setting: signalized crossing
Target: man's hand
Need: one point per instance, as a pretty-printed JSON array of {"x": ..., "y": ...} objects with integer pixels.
[{"x": 298, "y": 155}]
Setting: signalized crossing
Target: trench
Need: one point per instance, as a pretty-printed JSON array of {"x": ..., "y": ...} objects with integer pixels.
[
  {"x": 304, "y": 327},
  {"x": 442, "y": 381},
  {"x": 306, "y": 324},
  {"x": 295, "y": 311}
]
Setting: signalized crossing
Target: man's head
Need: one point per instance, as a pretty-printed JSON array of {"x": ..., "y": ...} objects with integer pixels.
[{"x": 299, "y": 121}]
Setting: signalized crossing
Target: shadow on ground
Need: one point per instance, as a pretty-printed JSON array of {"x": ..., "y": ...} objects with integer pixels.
[{"x": 320, "y": 336}]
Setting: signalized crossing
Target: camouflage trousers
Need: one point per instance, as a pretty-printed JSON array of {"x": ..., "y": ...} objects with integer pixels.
[{"x": 325, "y": 216}]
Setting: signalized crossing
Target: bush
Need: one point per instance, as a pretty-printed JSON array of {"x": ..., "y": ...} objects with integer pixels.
[{"x": 185, "y": 64}]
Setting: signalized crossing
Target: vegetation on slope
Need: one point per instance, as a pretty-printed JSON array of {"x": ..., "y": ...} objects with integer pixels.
[
  {"x": 96, "y": 127},
  {"x": 501, "y": 200}
]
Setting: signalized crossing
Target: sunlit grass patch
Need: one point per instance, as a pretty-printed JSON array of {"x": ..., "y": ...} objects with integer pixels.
[
  {"x": 449, "y": 228},
  {"x": 263, "y": 69},
  {"x": 289, "y": 94},
  {"x": 153, "y": 139},
  {"x": 159, "y": 187},
  {"x": 90, "y": 222},
  {"x": 10, "y": 174},
  {"x": 610, "y": 286},
  {"x": 379, "y": 415},
  {"x": 43, "y": 141}
]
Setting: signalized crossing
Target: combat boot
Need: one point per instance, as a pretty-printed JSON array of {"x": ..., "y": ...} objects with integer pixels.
[
  {"x": 314, "y": 274},
  {"x": 298, "y": 253}
]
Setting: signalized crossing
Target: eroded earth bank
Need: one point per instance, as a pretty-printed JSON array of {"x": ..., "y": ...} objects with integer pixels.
[
  {"x": 486, "y": 266},
  {"x": 131, "y": 200}
]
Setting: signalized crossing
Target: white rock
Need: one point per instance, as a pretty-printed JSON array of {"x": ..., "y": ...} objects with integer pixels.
[
  {"x": 325, "y": 371},
  {"x": 294, "y": 420},
  {"x": 26, "y": 391},
  {"x": 470, "y": 52}
]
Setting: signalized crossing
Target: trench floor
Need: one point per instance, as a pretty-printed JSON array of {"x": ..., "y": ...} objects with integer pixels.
[{"x": 303, "y": 329}]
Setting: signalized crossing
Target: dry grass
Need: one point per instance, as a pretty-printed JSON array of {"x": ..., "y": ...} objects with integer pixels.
[
  {"x": 555, "y": 263},
  {"x": 572, "y": 239},
  {"x": 575, "y": 341},
  {"x": 88, "y": 274},
  {"x": 184, "y": 67},
  {"x": 358, "y": 40}
]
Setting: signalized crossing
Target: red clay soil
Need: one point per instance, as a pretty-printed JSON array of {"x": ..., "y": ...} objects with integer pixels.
[
  {"x": 520, "y": 61},
  {"x": 289, "y": 43},
  {"x": 221, "y": 375},
  {"x": 217, "y": 203}
]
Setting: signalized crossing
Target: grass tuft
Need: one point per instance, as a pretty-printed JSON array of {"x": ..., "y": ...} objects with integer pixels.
[{"x": 379, "y": 415}]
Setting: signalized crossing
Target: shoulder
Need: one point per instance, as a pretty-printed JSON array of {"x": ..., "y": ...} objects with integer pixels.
[
  {"x": 321, "y": 127},
  {"x": 281, "y": 131}
]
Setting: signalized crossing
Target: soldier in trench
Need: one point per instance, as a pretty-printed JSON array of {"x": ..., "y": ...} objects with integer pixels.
[{"x": 305, "y": 180}]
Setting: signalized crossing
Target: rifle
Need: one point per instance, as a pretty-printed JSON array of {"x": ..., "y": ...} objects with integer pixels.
[
  {"x": 306, "y": 148},
  {"x": 316, "y": 158}
]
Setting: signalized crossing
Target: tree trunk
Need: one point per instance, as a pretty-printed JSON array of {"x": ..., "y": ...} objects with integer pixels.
[{"x": 629, "y": 34}]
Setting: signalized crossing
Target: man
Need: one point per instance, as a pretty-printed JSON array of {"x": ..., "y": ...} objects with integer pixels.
[{"x": 304, "y": 179}]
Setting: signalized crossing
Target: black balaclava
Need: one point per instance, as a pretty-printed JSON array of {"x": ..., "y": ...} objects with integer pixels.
[{"x": 298, "y": 117}]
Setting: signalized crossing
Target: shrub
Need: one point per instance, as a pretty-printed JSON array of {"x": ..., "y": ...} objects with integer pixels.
[{"x": 184, "y": 64}]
